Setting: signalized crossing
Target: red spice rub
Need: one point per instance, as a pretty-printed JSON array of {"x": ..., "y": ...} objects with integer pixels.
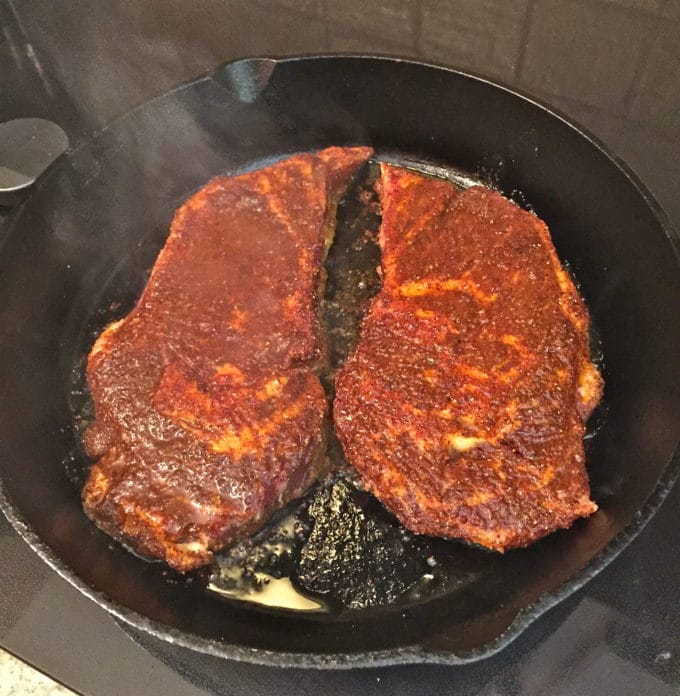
[
  {"x": 209, "y": 412},
  {"x": 463, "y": 406}
]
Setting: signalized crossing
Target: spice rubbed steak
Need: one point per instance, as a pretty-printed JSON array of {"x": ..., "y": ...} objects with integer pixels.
[
  {"x": 464, "y": 403},
  {"x": 209, "y": 412}
]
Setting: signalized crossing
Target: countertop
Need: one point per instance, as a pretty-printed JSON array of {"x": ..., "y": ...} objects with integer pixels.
[
  {"x": 612, "y": 65},
  {"x": 20, "y": 679}
]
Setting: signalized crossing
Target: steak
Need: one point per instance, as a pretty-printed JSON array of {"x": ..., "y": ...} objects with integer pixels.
[
  {"x": 463, "y": 406},
  {"x": 209, "y": 413}
]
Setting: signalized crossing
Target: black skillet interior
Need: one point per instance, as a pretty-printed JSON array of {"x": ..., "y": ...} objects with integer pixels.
[{"x": 91, "y": 231}]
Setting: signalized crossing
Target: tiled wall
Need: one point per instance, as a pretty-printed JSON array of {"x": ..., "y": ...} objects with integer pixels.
[
  {"x": 613, "y": 65},
  {"x": 619, "y": 56}
]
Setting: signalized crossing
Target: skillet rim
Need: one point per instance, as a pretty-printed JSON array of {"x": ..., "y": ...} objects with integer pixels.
[{"x": 412, "y": 654}]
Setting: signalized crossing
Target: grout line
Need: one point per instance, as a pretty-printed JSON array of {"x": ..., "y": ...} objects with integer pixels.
[
  {"x": 654, "y": 32},
  {"x": 637, "y": 12},
  {"x": 524, "y": 42},
  {"x": 326, "y": 29},
  {"x": 417, "y": 28}
]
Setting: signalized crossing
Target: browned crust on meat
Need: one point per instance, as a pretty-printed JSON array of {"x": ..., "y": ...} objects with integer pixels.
[
  {"x": 209, "y": 411},
  {"x": 464, "y": 404}
]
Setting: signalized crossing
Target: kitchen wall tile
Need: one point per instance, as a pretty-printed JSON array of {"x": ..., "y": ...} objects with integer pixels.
[
  {"x": 314, "y": 8},
  {"x": 572, "y": 46},
  {"x": 647, "y": 153},
  {"x": 474, "y": 34},
  {"x": 656, "y": 99},
  {"x": 346, "y": 40},
  {"x": 106, "y": 68},
  {"x": 601, "y": 124},
  {"x": 670, "y": 9},
  {"x": 392, "y": 22},
  {"x": 284, "y": 32},
  {"x": 651, "y": 6}
]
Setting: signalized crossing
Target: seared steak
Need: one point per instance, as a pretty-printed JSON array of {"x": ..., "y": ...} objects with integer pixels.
[
  {"x": 209, "y": 411},
  {"x": 464, "y": 403}
]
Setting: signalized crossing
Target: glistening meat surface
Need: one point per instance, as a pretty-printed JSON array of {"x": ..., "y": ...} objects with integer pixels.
[
  {"x": 209, "y": 411},
  {"x": 464, "y": 404}
]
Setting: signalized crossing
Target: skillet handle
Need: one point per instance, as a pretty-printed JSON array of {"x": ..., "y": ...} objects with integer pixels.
[
  {"x": 28, "y": 146},
  {"x": 246, "y": 77}
]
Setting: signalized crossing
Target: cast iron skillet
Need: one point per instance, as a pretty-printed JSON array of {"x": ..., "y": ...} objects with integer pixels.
[{"x": 95, "y": 224}]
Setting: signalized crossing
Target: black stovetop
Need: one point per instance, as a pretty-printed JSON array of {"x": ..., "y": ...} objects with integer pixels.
[{"x": 613, "y": 65}]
